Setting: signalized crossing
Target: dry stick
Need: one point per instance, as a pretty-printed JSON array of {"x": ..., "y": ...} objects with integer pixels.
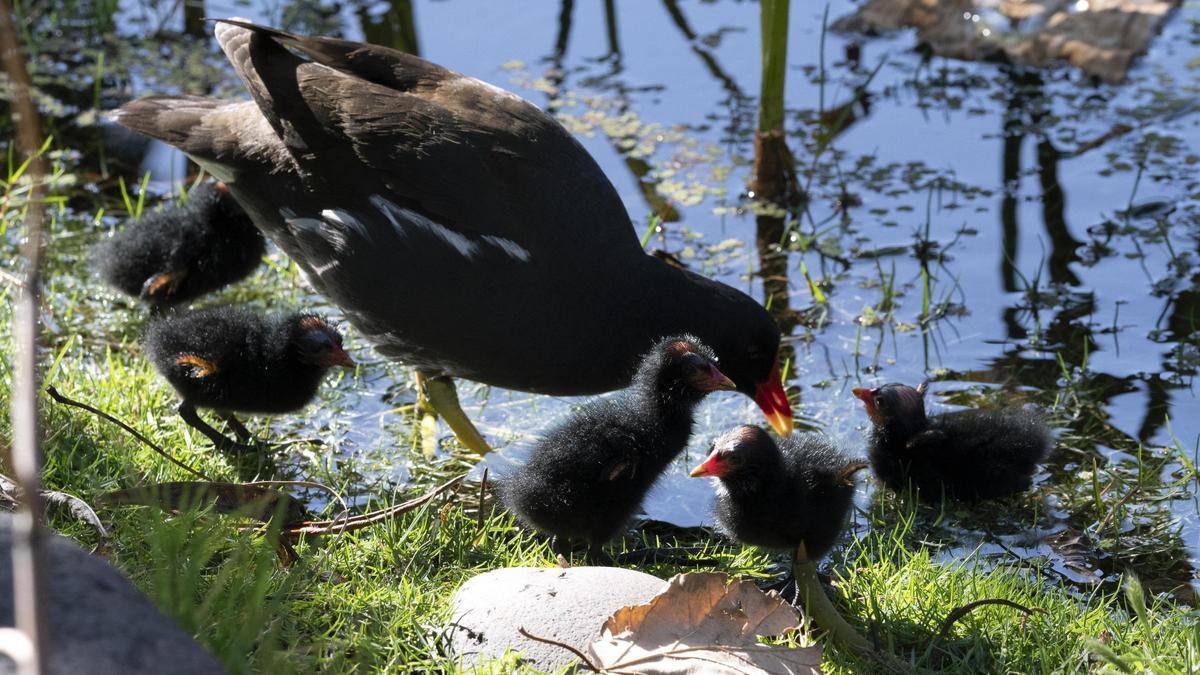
[
  {"x": 54, "y": 394},
  {"x": 29, "y": 581},
  {"x": 349, "y": 524},
  {"x": 966, "y": 609},
  {"x": 580, "y": 655}
]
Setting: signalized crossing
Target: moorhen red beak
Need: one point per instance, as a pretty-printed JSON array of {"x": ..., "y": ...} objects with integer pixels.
[
  {"x": 587, "y": 477},
  {"x": 383, "y": 175},
  {"x": 711, "y": 466},
  {"x": 179, "y": 253},
  {"x": 772, "y": 400},
  {"x": 231, "y": 359},
  {"x": 966, "y": 454}
]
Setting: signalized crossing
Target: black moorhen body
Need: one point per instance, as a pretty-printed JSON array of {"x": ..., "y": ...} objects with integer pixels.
[
  {"x": 588, "y": 476},
  {"x": 376, "y": 171},
  {"x": 966, "y": 454},
  {"x": 779, "y": 496},
  {"x": 180, "y": 253},
  {"x": 236, "y": 360}
]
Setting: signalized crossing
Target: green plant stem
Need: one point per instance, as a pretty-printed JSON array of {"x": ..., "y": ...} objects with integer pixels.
[{"x": 773, "y": 15}]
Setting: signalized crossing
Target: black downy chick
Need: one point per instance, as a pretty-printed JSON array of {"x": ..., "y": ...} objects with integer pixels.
[
  {"x": 180, "y": 253},
  {"x": 780, "y": 496},
  {"x": 587, "y": 477},
  {"x": 966, "y": 454},
  {"x": 232, "y": 359}
]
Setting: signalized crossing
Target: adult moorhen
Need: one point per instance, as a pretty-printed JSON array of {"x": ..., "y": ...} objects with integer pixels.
[
  {"x": 180, "y": 253},
  {"x": 588, "y": 476},
  {"x": 966, "y": 454},
  {"x": 233, "y": 359},
  {"x": 780, "y": 496},
  {"x": 460, "y": 228}
]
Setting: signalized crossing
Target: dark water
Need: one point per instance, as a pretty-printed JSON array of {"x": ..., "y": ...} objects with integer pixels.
[{"x": 1020, "y": 237}]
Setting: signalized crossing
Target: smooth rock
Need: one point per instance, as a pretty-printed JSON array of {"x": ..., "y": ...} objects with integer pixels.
[
  {"x": 567, "y": 605},
  {"x": 99, "y": 623}
]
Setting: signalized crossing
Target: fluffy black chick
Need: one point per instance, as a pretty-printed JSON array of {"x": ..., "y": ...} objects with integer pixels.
[
  {"x": 967, "y": 454},
  {"x": 177, "y": 254},
  {"x": 232, "y": 359},
  {"x": 780, "y": 496},
  {"x": 587, "y": 477}
]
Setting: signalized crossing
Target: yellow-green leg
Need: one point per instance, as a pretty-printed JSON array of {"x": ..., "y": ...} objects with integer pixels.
[{"x": 439, "y": 395}]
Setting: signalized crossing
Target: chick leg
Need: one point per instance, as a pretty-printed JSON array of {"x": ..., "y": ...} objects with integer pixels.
[
  {"x": 188, "y": 412},
  {"x": 243, "y": 434},
  {"x": 442, "y": 397}
]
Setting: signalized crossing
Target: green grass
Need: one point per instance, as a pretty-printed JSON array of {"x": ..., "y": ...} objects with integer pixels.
[{"x": 377, "y": 599}]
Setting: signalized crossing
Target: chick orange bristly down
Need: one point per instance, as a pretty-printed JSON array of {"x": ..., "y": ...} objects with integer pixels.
[
  {"x": 588, "y": 476},
  {"x": 782, "y": 495},
  {"x": 966, "y": 454},
  {"x": 231, "y": 359},
  {"x": 179, "y": 253}
]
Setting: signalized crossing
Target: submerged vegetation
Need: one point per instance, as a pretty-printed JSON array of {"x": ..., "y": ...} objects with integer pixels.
[{"x": 1060, "y": 270}]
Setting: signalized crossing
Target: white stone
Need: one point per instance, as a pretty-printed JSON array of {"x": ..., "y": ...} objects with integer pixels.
[{"x": 567, "y": 605}]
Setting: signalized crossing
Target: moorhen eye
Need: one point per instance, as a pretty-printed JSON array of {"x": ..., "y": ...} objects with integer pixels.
[
  {"x": 967, "y": 454},
  {"x": 799, "y": 490},
  {"x": 378, "y": 170},
  {"x": 632, "y": 438},
  {"x": 236, "y": 360},
  {"x": 179, "y": 253}
]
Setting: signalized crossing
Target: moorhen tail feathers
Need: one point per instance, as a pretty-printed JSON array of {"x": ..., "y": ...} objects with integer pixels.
[
  {"x": 587, "y": 477},
  {"x": 376, "y": 170},
  {"x": 177, "y": 254},
  {"x": 966, "y": 454},
  {"x": 779, "y": 496}
]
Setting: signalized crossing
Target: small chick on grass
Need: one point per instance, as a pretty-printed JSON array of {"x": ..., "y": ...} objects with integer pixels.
[
  {"x": 790, "y": 496},
  {"x": 966, "y": 454},
  {"x": 179, "y": 253},
  {"x": 588, "y": 476},
  {"x": 780, "y": 496},
  {"x": 232, "y": 359}
]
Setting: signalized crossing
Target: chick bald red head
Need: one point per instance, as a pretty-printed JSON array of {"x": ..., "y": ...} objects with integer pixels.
[{"x": 773, "y": 401}]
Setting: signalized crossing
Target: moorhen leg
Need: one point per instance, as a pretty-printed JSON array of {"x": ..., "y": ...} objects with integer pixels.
[
  {"x": 440, "y": 393},
  {"x": 188, "y": 412}
]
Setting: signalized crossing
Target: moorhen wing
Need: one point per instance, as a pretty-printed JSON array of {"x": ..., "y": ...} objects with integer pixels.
[
  {"x": 966, "y": 454},
  {"x": 231, "y": 359},
  {"x": 179, "y": 253},
  {"x": 587, "y": 477},
  {"x": 460, "y": 228}
]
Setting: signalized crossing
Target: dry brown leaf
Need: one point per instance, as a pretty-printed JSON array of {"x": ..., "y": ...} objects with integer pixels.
[{"x": 701, "y": 623}]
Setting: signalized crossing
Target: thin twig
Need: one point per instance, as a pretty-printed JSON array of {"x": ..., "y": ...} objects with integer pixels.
[
  {"x": 349, "y": 524},
  {"x": 54, "y": 394},
  {"x": 580, "y": 655},
  {"x": 959, "y": 612}
]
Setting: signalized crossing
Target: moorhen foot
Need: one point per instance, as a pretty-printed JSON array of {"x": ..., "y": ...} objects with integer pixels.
[{"x": 460, "y": 228}]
